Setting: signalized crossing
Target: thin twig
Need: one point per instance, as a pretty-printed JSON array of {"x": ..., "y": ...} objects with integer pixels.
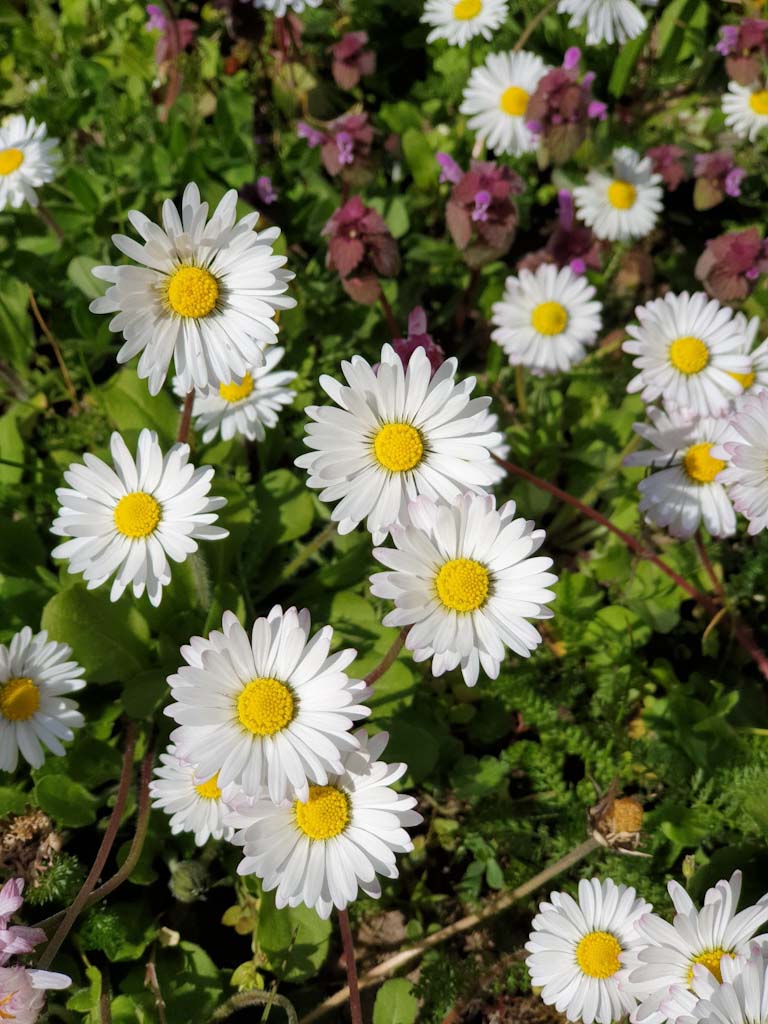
[
  {"x": 532, "y": 25},
  {"x": 309, "y": 549},
  {"x": 389, "y": 658},
  {"x": 105, "y": 1000},
  {"x": 50, "y": 221},
  {"x": 174, "y": 77},
  {"x": 107, "y": 843},
  {"x": 239, "y": 1002},
  {"x": 151, "y": 982},
  {"x": 389, "y": 315},
  {"x": 54, "y": 345},
  {"x": 186, "y": 418},
  {"x": 708, "y": 567},
  {"x": 465, "y": 924},
  {"x": 350, "y": 962}
]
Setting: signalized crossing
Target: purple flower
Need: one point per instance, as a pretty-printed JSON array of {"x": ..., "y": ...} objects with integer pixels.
[
  {"x": 745, "y": 48},
  {"x": 312, "y": 135},
  {"x": 733, "y": 180},
  {"x": 157, "y": 20},
  {"x": 729, "y": 35},
  {"x": 15, "y": 940},
  {"x": 418, "y": 337},
  {"x": 731, "y": 263},
  {"x": 483, "y": 201},
  {"x": 561, "y": 108},
  {"x": 597, "y": 110},
  {"x": 449, "y": 169},
  {"x": 361, "y": 250},
  {"x": 265, "y": 191},
  {"x": 667, "y": 160},
  {"x": 571, "y": 58},
  {"x": 345, "y": 146},
  {"x": 716, "y": 177},
  {"x": 351, "y": 60},
  {"x": 482, "y": 214}
]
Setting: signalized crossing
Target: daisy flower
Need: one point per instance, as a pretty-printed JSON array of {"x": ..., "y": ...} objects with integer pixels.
[
  {"x": 746, "y": 109},
  {"x": 246, "y": 407},
  {"x": 22, "y": 992},
  {"x": 687, "y": 490},
  {"x": 281, "y": 7},
  {"x": 462, "y": 577},
  {"x": 576, "y": 948},
  {"x": 668, "y": 953},
  {"x": 741, "y": 998},
  {"x": 547, "y": 318},
  {"x": 272, "y": 710},
  {"x": 496, "y": 98},
  {"x": 688, "y": 350},
  {"x": 194, "y": 804},
  {"x": 607, "y": 21},
  {"x": 127, "y": 521},
  {"x": 35, "y": 711},
  {"x": 746, "y": 451},
  {"x": 393, "y": 434},
  {"x": 321, "y": 850},
  {"x": 27, "y": 160},
  {"x": 756, "y": 380},
  {"x": 458, "y": 21},
  {"x": 205, "y": 294},
  {"x": 625, "y": 205}
]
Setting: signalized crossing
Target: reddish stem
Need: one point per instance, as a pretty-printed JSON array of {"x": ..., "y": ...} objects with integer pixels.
[
  {"x": 186, "y": 418},
  {"x": 707, "y": 565},
  {"x": 389, "y": 316},
  {"x": 355, "y": 1006},
  {"x": 389, "y": 658}
]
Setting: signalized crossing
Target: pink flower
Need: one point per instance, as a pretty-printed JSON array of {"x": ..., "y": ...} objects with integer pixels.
[
  {"x": 265, "y": 191},
  {"x": 482, "y": 214},
  {"x": 312, "y": 135},
  {"x": 351, "y": 61},
  {"x": 175, "y": 37},
  {"x": 570, "y": 244},
  {"x": 347, "y": 143},
  {"x": 449, "y": 169},
  {"x": 744, "y": 47},
  {"x": 361, "y": 249},
  {"x": 418, "y": 337},
  {"x": 668, "y": 162},
  {"x": 731, "y": 263},
  {"x": 22, "y": 992},
  {"x": 716, "y": 177},
  {"x": 562, "y": 106}
]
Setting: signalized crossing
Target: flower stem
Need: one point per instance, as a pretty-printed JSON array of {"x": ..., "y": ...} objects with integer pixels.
[
  {"x": 355, "y": 1007},
  {"x": 389, "y": 316},
  {"x": 239, "y": 1002},
  {"x": 522, "y": 401},
  {"x": 186, "y": 418},
  {"x": 49, "y": 337},
  {"x": 532, "y": 25},
  {"x": 50, "y": 221},
  {"x": 107, "y": 843},
  {"x": 708, "y": 567},
  {"x": 309, "y": 549},
  {"x": 389, "y": 658}
]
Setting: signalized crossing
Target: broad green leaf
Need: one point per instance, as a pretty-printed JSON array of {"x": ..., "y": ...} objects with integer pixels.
[
  {"x": 79, "y": 273},
  {"x": 67, "y": 802},
  {"x": 295, "y": 939},
  {"x": 396, "y": 1003},
  {"x": 131, "y": 407}
]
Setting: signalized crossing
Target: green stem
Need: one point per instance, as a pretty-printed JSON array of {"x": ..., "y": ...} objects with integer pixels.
[
  {"x": 309, "y": 549},
  {"x": 522, "y": 401}
]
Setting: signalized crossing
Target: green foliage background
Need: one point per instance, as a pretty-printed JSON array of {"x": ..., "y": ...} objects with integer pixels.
[{"x": 632, "y": 685}]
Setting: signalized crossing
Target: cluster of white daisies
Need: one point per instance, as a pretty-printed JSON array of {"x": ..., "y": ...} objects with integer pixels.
[{"x": 605, "y": 955}]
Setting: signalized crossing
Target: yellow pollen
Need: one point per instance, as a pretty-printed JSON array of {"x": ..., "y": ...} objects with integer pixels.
[
  {"x": 463, "y": 584},
  {"x": 19, "y": 699},
  {"x": 192, "y": 292},
  {"x": 699, "y": 464},
  {"x": 688, "y": 355},
  {"x": 598, "y": 955},
  {"x": 711, "y": 960},
  {"x": 10, "y": 160},
  {"x": 514, "y": 101},
  {"x": 234, "y": 392},
  {"x": 325, "y": 814},
  {"x": 265, "y": 706},
  {"x": 549, "y": 318},
  {"x": 758, "y": 101},
  {"x": 622, "y": 194},
  {"x": 209, "y": 790},
  {"x": 4, "y": 1002},
  {"x": 137, "y": 514},
  {"x": 398, "y": 447},
  {"x": 465, "y": 10},
  {"x": 745, "y": 379}
]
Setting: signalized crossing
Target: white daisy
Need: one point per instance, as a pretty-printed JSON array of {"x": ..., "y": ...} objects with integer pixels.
[
  {"x": 244, "y": 408},
  {"x": 463, "y": 579},
  {"x": 668, "y": 953},
  {"x": 35, "y": 711},
  {"x": 746, "y": 109},
  {"x": 547, "y": 318},
  {"x": 607, "y": 21},
  {"x": 625, "y": 205},
  {"x": 281, "y": 7},
  {"x": 27, "y": 160},
  {"x": 496, "y": 98},
  {"x": 394, "y": 434},
  {"x": 756, "y": 380},
  {"x": 194, "y": 804},
  {"x": 576, "y": 949},
  {"x": 268, "y": 711},
  {"x": 22, "y": 992},
  {"x": 321, "y": 851},
  {"x": 688, "y": 489},
  {"x": 741, "y": 998},
  {"x": 128, "y": 521},
  {"x": 746, "y": 451},
  {"x": 206, "y": 293},
  {"x": 458, "y": 21},
  {"x": 688, "y": 350}
]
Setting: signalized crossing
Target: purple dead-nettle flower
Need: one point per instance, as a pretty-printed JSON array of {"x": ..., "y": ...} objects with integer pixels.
[
  {"x": 569, "y": 245},
  {"x": 346, "y": 144},
  {"x": 716, "y": 177},
  {"x": 176, "y": 36},
  {"x": 418, "y": 337},
  {"x": 266, "y": 191},
  {"x": 483, "y": 201},
  {"x": 731, "y": 263},
  {"x": 361, "y": 249},
  {"x": 668, "y": 161},
  {"x": 733, "y": 180},
  {"x": 351, "y": 61},
  {"x": 482, "y": 214},
  {"x": 157, "y": 20},
  {"x": 314, "y": 138},
  {"x": 729, "y": 35},
  {"x": 449, "y": 169},
  {"x": 562, "y": 107},
  {"x": 745, "y": 48}
]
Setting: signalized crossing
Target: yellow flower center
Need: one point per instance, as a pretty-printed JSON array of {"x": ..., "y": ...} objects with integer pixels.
[
  {"x": 622, "y": 194},
  {"x": 10, "y": 160},
  {"x": 465, "y": 10},
  {"x": 398, "y": 447},
  {"x": 597, "y": 954},
  {"x": 514, "y": 101},
  {"x": 19, "y": 699},
  {"x": 234, "y": 392},
  {"x": 688, "y": 355},
  {"x": 745, "y": 379},
  {"x": 137, "y": 514},
  {"x": 549, "y": 318},
  {"x": 4, "y": 1002},
  {"x": 192, "y": 292},
  {"x": 265, "y": 706},
  {"x": 699, "y": 464},
  {"x": 711, "y": 960},
  {"x": 325, "y": 814},
  {"x": 463, "y": 584},
  {"x": 758, "y": 101},
  {"x": 209, "y": 790}
]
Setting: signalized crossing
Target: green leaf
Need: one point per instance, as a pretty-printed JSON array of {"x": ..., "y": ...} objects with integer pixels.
[
  {"x": 420, "y": 159},
  {"x": 111, "y": 641},
  {"x": 624, "y": 66},
  {"x": 67, "y": 802},
  {"x": 131, "y": 407},
  {"x": 17, "y": 339},
  {"x": 295, "y": 939},
  {"x": 12, "y": 800},
  {"x": 79, "y": 273},
  {"x": 395, "y": 1003},
  {"x": 286, "y": 507}
]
